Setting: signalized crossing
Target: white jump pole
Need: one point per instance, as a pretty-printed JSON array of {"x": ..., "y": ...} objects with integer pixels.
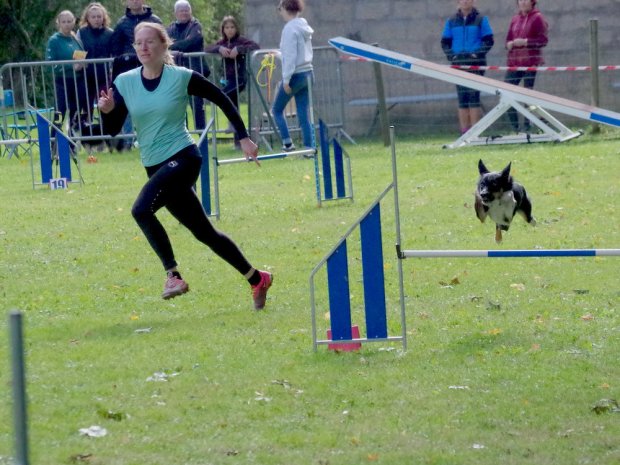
[{"x": 270, "y": 156}]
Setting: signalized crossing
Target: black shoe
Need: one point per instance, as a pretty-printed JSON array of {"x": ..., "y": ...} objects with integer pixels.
[{"x": 288, "y": 147}]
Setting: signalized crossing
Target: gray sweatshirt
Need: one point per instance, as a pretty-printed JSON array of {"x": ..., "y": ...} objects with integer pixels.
[{"x": 296, "y": 48}]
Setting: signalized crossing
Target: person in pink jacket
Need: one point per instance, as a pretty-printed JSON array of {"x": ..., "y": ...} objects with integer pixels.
[{"x": 526, "y": 37}]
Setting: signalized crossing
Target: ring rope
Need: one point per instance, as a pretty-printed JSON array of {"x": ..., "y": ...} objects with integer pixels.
[{"x": 267, "y": 66}]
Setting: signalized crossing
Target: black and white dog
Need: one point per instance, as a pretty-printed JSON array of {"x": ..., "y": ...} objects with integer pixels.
[{"x": 500, "y": 197}]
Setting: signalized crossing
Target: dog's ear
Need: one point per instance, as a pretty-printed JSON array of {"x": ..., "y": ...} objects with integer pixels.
[
  {"x": 506, "y": 171},
  {"x": 481, "y": 168}
]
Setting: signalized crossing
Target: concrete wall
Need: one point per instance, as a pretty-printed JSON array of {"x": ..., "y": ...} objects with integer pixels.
[{"x": 413, "y": 27}]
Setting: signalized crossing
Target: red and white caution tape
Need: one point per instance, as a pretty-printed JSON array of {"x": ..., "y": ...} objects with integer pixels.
[
  {"x": 535, "y": 68},
  {"x": 510, "y": 68}
]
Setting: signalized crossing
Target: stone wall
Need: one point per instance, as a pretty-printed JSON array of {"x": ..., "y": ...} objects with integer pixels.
[{"x": 413, "y": 27}]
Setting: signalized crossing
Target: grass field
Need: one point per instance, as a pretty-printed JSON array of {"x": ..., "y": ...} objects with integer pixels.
[{"x": 505, "y": 359}]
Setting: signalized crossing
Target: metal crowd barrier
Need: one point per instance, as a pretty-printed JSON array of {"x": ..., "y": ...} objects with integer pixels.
[
  {"x": 265, "y": 74},
  {"x": 33, "y": 85},
  {"x": 30, "y": 85}
]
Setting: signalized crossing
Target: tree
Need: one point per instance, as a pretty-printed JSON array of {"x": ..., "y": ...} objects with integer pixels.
[{"x": 25, "y": 25}]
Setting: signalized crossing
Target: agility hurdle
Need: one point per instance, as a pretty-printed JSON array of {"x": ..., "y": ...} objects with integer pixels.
[
  {"x": 373, "y": 278},
  {"x": 45, "y": 156},
  {"x": 325, "y": 173},
  {"x": 532, "y": 104}
]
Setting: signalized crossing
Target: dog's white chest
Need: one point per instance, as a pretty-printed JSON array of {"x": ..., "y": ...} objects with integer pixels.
[{"x": 502, "y": 210}]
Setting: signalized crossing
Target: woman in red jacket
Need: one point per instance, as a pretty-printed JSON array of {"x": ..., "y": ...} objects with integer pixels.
[{"x": 526, "y": 37}]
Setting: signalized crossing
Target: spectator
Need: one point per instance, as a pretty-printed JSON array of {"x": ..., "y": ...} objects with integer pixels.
[
  {"x": 95, "y": 34},
  {"x": 122, "y": 46},
  {"x": 297, "y": 73},
  {"x": 526, "y": 37},
  {"x": 157, "y": 95},
  {"x": 233, "y": 48},
  {"x": 69, "y": 82},
  {"x": 122, "y": 39},
  {"x": 467, "y": 38},
  {"x": 186, "y": 35}
]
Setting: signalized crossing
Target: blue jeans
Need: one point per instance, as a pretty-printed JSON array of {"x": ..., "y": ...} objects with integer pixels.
[{"x": 300, "y": 85}]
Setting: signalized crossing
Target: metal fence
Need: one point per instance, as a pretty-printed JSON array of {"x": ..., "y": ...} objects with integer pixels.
[
  {"x": 61, "y": 91},
  {"x": 265, "y": 72}
]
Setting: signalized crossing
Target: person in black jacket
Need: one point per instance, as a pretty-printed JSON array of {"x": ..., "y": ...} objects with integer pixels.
[
  {"x": 186, "y": 35},
  {"x": 96, "y": 35},
  {"x": 122, "y": 46},
  {"x": 136, "y": 12}
]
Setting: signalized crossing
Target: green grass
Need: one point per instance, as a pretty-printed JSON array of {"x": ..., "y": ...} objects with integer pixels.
[{"x": 502, "y": 367}]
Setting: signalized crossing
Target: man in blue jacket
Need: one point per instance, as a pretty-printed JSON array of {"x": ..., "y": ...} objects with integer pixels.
[{"x": 467, "y": 38}]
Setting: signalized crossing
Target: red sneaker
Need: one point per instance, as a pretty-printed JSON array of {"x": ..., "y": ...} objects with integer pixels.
[
  {"x": 174, "y": 286},
  {"x": 259, "y": 292}
]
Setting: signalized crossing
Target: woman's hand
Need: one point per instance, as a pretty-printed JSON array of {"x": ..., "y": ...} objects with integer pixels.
[
  {"x": 250, "y": 149},
  {"x": 106, "y": 101},
  {"x": 225, "y": 52}
]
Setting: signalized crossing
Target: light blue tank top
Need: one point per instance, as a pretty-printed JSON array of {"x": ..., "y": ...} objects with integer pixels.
[{"x": 158, "y": 116}]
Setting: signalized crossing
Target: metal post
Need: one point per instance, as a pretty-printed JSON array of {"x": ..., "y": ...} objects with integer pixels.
[
  {"x": 381, "y": 104},
  {"x": 19, "y": 388},
  {"x": 401, "y": 285},
  {"x": 594, "y": 69}
]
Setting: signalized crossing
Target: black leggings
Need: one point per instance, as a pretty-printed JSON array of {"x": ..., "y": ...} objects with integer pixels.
[
  {"x": 514, "y": 77},
  {"x": 171, "y": 185}
]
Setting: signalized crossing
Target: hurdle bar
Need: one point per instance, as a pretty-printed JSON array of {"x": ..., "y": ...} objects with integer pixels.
[
  {"x": 530, "y": 103},
  {"x": 45, "y": 153},
  {"x": 210, "y": 195},
  {"x": 336, "y": 262},
  {"x": 509, "y": 253},
  {"x": 271, "y": 156}
]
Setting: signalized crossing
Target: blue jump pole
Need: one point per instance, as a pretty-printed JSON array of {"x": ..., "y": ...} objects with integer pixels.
[
  {"x": 510, "y": 253},
  {"x": 373, "y": 276},
  {"x": 64, "y": 156},
  {"x": 325, "y": 163},
  {"x": 339, "y": 169},
  {"x": 338, "y": 287},
  {"x": 45, "y": 152},
  {"x": 205, "y": 178}
]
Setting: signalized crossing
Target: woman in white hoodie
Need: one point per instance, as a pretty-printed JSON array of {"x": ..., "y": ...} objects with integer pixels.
[{"x": 297, "y": 75}]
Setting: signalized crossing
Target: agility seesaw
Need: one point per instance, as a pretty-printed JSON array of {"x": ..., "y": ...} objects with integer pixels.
[{"x": 532, "y": 104}]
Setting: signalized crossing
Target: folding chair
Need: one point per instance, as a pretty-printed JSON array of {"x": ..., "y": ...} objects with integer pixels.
[{"x": 18, "y": 127}]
